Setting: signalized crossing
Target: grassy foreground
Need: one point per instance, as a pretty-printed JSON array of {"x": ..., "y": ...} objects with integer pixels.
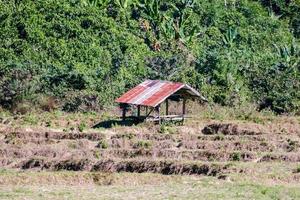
[{"x": 266, "y": 181}]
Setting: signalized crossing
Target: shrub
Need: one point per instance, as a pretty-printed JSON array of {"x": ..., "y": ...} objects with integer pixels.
[
  {"x": 102, "y": 144},
  {"x": 219, "y": 137},
  {"x": 143, "y": 144},
  {"x": 48, "y": 124},
  {"x": 236, "y": 156},
  {"x": 81, "y": 101},
  {"x": 165, "y": 128},
  {"x": 17, "y": 83},
  {"x": 47, "y": 103},
  {"x": 292, "y": 145},
  {"x": 81, "y": 126},
  {"x": 31, "y": 119},
  {"x": 297, "y": 169},
  {"x": 22, "y": 108},
  {"x": 97, "y": 154}
]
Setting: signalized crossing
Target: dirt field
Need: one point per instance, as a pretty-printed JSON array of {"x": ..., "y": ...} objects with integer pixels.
[{"x": 203, "y": 159}]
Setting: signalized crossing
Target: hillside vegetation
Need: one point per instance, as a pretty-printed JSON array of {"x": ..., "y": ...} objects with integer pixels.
[{"x": 81, "y": 54}]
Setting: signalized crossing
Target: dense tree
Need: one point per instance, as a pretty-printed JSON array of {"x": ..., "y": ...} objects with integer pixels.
[{"x": 232, "y": 51}]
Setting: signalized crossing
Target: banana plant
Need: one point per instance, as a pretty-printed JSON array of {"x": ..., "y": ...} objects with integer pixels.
[
  {"x": 230, "y": 36},
  {"x": 95, "y": 3},
  {"x": 151, "y": 9},
  {"x": 286, "y": 52},
  {"x": 290, "y": 54},
  {"x": 168, "y": 29},
  {"x": 181, "y": 26},
  {"x": 186, "y": 4},
  {"x": 273, "y": 15},
  {"x": 124, "y": 4}
]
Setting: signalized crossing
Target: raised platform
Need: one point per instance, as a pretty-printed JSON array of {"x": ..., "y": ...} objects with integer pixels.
[{"x": 166, "y": 118}]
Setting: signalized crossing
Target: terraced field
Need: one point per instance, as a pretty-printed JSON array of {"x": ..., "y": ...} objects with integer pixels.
[
  {"x": 268, "y": 153},
  {"x": 180, "y": 150}
]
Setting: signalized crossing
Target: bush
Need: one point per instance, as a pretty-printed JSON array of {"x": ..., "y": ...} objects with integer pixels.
[
  {"x": 31, "y": 119},
  {"x": 292, "y": 145},
  {"x": 22, "y": 108},
  {"x": 102, "y": 144},
  {"x": 47, "y": 103},
  {"x": 17, "y": 83},
  {"x": 297, "y": 169},
  {"x": 81, "y": 126},
  {"x": 143, "y": 144},
  {"x": 167, "y": 127},
  {"x": 219, "y": 137},
  {"x": 236, "y": 156},
  {"x": 80, "y": 101}
]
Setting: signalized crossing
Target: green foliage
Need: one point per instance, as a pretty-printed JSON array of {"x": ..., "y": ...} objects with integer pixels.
[
  {"x": 167, "y": 128},
  {"x": 102, "y": 144},
  {"x": 95, "y": 3},
  {"x": 292, "y": 145},
  {"x": 219, "y": 137},
  {"x": 81, "y": 126},
  {"x": 151, "y": 10},
  {"x": 123, "y": 4},
  {"x": 81, "y": 101},
  {"x": 163, "y": 128},
  {"x": 85, "y": 53},
  {"x": 236, "y": 156},
  {"x": 16, "y": 82},
  {"x": 143, "y": 144},
  {"x": 288, "y": 10},
  {"x": 31, "y": 119},
  {"x": 230, "y": 36}
]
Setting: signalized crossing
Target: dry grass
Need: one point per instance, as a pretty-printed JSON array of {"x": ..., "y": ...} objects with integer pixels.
[
  {"x": 247, "y": 155},
  {"x": 86, "y": 185},
  {"x": 213, "y": 141}
]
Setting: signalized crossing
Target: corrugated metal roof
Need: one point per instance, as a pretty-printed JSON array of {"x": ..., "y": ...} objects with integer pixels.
[{"x": 153, "y": 92}]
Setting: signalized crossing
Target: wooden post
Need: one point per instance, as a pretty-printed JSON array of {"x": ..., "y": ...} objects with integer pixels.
[
  {"x": 158, "y": 110},
  {"x": 138, "y": 111},
  {"x": 167, "y": 107},
  {"x": 183, "y": 109},
  {"x": 124, "y": 113}
]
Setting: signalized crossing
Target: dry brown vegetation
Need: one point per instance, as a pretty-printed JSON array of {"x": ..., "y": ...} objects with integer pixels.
[
  {"x": 200, "y": 147},
  {"x": 59, "y": 155}
]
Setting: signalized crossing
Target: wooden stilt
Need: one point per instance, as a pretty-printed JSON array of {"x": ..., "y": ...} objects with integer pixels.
[
  {"x": 138, "y": 111},
  {"x": 148, "y": 114},
  {"x": 158, "y": 110},
  {"x": 123, "y": 113},
  {"x": 183, "y": 109},
  {"x": 167, "y": 107}
]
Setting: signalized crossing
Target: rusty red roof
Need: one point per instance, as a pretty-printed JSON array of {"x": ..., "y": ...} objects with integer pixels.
[{"x": 153, "y": 92}]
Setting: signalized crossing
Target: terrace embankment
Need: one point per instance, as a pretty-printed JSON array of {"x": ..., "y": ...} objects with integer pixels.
[{"x": 208, "y": 149}]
